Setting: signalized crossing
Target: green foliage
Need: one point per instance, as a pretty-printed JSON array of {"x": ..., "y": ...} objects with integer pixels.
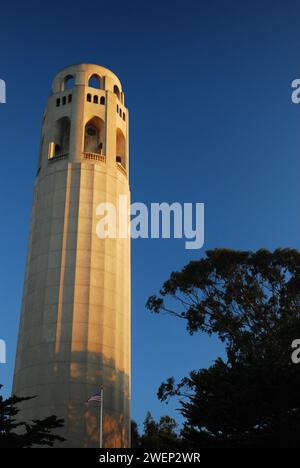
[
  {"x": 251, "y": 301},
  {"x": 156, "y": 435},
  {"x": 20, "y": 434}
]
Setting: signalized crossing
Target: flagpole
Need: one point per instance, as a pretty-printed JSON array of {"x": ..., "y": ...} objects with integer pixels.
[{"x": 101, "y": 419}]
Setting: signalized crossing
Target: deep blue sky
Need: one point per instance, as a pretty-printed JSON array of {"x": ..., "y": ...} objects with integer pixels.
[{"x": 208, "y": 89}]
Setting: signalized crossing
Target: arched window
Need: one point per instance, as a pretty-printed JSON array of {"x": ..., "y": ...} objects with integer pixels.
[
  {"x": 117, "y": 91},
  {"x": 61, "y": 141},
  {"x": 124, "y": 116},
  {"x": 70, "y": 98},
  {"x": 64, "y": 100},
  {"x": 121, "y": 148},
  {"x": 120, "y": 112},
  {"x": 117, "y": 108},
  {"x": 94, "y": 136},
  {"x": 57, "y": 102},
  {"x": 68, "y": 82},
  {"x": 89, "y": 97},
  {"x": 95, "y": 99},
  {"x": 95, "y": 82},
  {"x": 102, "y": 100}
]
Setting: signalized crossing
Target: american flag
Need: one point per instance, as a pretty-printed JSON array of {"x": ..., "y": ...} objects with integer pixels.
[{"x": 96, "y": 397}]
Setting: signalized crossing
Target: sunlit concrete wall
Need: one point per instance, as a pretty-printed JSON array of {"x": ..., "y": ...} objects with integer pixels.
[{"x": 75, "y": 321}]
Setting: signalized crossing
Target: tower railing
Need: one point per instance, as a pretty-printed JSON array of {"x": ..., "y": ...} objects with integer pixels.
[
  {"x": 121, "y": 168},
  {"x": 94, "y": 156}
]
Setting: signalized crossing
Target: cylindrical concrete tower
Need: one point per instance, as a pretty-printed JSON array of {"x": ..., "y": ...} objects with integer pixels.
[{"x": 75, "y": 322}]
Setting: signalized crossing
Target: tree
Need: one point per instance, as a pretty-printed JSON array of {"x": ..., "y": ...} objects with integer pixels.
[
  {"x": 135, "y": 436},
  {"x": 20, "y": 434},
  {"x": 156, "y": 435},
  {"x": 251, "y": 301}
]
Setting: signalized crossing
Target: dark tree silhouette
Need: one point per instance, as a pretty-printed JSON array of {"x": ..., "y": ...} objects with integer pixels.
[
  {"x": 251, "y": 301},
  {"x": 135, "y": 436},
  {"x": 156, "y": 435},
  {"x": 21, "y": 434}
]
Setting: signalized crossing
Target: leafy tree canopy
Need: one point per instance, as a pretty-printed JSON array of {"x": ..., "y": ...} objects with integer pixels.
[
  {"x": 156, "y": 435},
  {"x": 21, "y": 434},
  {"x": 251, "y": 301}
]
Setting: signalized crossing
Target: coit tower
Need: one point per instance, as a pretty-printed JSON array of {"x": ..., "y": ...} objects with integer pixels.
[{"x": 74, "y": 334}]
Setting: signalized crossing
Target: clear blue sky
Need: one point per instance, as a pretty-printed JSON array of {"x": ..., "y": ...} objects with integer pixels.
[{"x": 208, "y": 89}]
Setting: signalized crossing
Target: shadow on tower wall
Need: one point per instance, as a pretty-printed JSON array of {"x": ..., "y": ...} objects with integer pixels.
[
  {"x": 89, "y": 371},
  {"x": 63, "y": 388}
]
